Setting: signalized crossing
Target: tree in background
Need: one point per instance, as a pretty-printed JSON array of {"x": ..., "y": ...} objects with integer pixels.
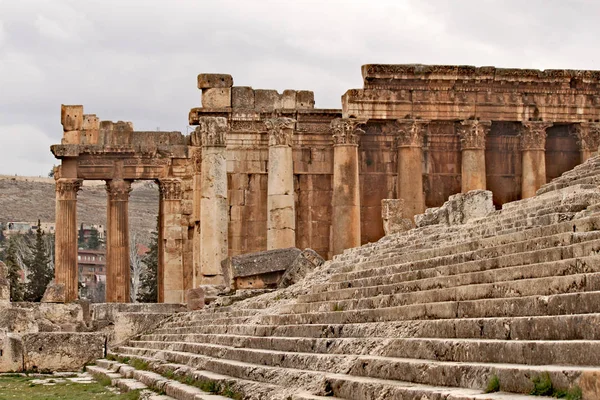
[
  {"x": 17, "y": 289},
  {"x": 94, "y": 242},
  {"x": 148, "y": 291},
  {"x": 40, "y": 271},
  {"x": 81, "y": 237}
]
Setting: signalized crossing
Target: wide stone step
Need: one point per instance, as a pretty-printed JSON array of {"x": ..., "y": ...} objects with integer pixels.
[
  {"x": 313, "y": 371},
  {"x": 127, "y": 384},
  {"x": 571, "y": 352},
  {"x": 559, "y": 327}
]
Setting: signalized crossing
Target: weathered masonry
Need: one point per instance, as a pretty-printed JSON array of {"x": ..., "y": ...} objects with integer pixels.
[{"x": 264, "y": 170}]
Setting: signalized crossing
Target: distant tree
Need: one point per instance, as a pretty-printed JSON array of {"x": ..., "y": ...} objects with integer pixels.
[
  {"x": 2, "y": 228},
  {"x": 17, "y": 289},
  {"x": 52, "y": 171},
  {"x": 40, "y": 271},
  {"x": 148, "y": 292},
  {"x": 81, "y": 237},
  {"x": 136, "y": 267},
  {"x": 94, "y": 242}
]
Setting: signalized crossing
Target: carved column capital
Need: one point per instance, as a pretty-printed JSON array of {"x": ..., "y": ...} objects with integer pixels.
[
  {"x": 587, "y": 134},
  {"x": 346, "y": 131},
  {"x": 533, "y": 135},
  {"x": 118, "y": 189},
  {"x": 281, "y": 130},
  {"x": 472, "y": 134},
  {"x": 211, "y": 132},
  {"x": 67, "y": 188},
  {"x": 410, "y": 132},
  {"x": 170, "y": 189}
]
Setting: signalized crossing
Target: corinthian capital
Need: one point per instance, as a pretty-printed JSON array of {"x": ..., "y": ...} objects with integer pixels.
[
  {"x": 472, "y": 134},
  {"x": 118, "y": 189},
  {"x": 587, "y": 134},
  {"x": 410, "y": 132},
  {"x": 170, "y": 189},
  {"x": 281, "y": 130},
  {"x": 211, "y": 132},
  {"x": 66, "y": 188},
  {"x": 346, "y": 131},
  {"x": 533, "y": 135}
]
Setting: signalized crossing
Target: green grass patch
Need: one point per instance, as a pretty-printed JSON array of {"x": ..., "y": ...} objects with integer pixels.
[
  {"x": 542, "y": 386},
  {"x": 493, "y": 384},
  {"x": 140, "y": 365},
  {"x": 17, "y": 387}
]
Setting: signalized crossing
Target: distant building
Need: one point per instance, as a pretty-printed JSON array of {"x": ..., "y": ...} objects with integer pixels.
[
  {"x": 92, "y": 266},
  {"x": 16, "y": 228}
]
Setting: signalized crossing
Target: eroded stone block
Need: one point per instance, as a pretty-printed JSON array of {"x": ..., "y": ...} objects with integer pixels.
[
  {"x": 242, "y": 97},
  {"x": 55, "y": 293},
  {"x": 207, "y": 81},
  {"x": 195, "y": 299},
  {"x": 302, "y": 265},
  {"x": 71, "y": 117},
  {"x": 392, "y": 213},
  {"x": 305, "y": 99},
  {"x": 288, "y": 99},
  {"x": 459, "y": 209},
  {"x": 266, "y": 100},
  {"x": 216, "y": 97},
  {"x": 58, "y": 351}
]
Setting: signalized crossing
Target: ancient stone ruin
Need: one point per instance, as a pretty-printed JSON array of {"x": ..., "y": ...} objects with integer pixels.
[{"x": 484, "y": 180}]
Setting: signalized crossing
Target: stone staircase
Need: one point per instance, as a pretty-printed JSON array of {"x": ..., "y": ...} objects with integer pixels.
[{"x": 439, "y": 312}]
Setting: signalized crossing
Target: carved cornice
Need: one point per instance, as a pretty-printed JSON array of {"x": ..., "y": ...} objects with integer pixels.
[
  {"x": 281, "y": 130},
  {"x": 118, "y": 189},
  {"x": 472, "y": 134},
  {"x": 170, "y": 189},
  {"x": 410, "y": 132},
  {"x": 211, "y": 132},
  {"x": 346, "y": 131},
  {"x": 587, "y": 134},
  {"x": 533, "y": 135},
  {"x": 66, "y": 188}
]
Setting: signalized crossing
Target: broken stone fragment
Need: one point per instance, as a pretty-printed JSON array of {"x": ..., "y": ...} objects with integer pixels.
[
  {"x": 460, "y": 208},
  {"x": 55, "y": 293},
  {"x": 302, "y": 265}
]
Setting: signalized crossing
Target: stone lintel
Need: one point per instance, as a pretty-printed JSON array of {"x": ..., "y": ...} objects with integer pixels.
[{"x": 209, "y": 81}]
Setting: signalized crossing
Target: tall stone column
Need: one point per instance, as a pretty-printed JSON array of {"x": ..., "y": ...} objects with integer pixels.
[
  {"x": 281, "y": 210},
  {"x": 65, "y": 265},
  {"x": 117, "y": 241},
  {"x": 195, "y": 154},
  {"x": 588, "y": 138},
  {"x": 214, "y": 215},
  {"x": 170, "y": 267},
  {"x": 345, "y": 220},
  {"x": 409, "y": 142},
  {"x": 472, "y": 143},
  {"x": 533, "y": 153}
]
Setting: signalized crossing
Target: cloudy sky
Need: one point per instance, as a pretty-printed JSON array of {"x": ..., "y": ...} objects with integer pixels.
[{"x": 137, "y": 60}]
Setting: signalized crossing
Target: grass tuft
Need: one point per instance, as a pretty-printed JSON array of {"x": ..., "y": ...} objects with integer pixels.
[
  {"x": 493, "y": 384},
  {"x": 542, "y": 385}
]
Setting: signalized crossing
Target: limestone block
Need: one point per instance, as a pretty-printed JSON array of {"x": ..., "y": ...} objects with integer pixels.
[
  {"x": 266, "y": 100},
  {"x": 11, "y": 359},
  {"x": 57, "y": 351},
  {"x": 207, "y": 81},
  {"x": 392, "y": 213},
  {"x": 195, "y": 299},
  {"x": 305, "y": 99},
  {"x": 55, "y": 293},
  {"x": 216, "y": 97},
  {"x": 302, "y": 265},
  {"x": 71, "y": 117},
  {"x": 18, "y": 320},
  {"x": 129, "y": 324},
  {"x": 459, "y": 209},
  {"x": 70, "y": 137},
  {"x": 242, "y": 97},
  {"x": 90, "y": 122},
  {"x": 288, "y": 99}
]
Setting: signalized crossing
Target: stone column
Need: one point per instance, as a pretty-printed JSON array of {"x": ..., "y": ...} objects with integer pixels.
[
  {"x": 65, "y": 265},
  {"x": 170, "y": 268},
  {"x": 214, "y": 209},
  {"x": 281, "y": 210},
  {"x": 345, "y": 219},
  {"x": 117, "y": 241},
  {"x": 533, "y": 153},
  {"x": 409, "y": 142},
  {"x": 588, "y": 138},
  {"x": 195, "y": 154},
  {"x": 472, "y": 143}
]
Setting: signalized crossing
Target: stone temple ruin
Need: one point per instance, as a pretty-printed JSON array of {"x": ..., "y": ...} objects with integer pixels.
[{"x": 459, "y": 209}]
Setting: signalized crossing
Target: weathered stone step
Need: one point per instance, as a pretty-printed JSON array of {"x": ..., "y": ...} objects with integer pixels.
[
  {"x": 586, "y": 179},
  {"x": 552, "y": 249},
  {"x": 559, "y": 327},
  {"x": 569, "y": 352},
  {"x": 294, "y": 368},
  {"x": 126, "y": 384}
]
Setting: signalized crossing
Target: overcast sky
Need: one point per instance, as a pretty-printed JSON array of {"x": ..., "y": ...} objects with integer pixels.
[{"x": 137, "y": 60}]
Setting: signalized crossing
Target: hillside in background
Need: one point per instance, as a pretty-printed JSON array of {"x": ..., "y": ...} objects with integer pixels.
[{"x": 24, "y": 199}]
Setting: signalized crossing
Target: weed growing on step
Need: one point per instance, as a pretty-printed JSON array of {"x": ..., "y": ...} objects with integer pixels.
[
  {"x": 338, "y": 307},
  {"x": 542, "y": 386},
  {"x": 140, "y": 365},
  {"x": 493, "y": 384},
  {"x": 169, "y": 374},
  {"x": 111, "y": 357},
  {"x": 104, "y": 380}
]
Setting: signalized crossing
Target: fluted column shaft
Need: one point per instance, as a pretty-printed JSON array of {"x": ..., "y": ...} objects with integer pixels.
[
  {"x": 409, "y": 143},
  {"x": 345, "y": 221},
  {"x": 117, "y": 243},
  {"x": 472, "y": 139},
  {"x": 533, "y": 157},
  {"x": 281, "y": 209},
  {"x": 214, "y": 209},
  {"x": 65, "y": 265},
  {"x": 170, "y": 267}
]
